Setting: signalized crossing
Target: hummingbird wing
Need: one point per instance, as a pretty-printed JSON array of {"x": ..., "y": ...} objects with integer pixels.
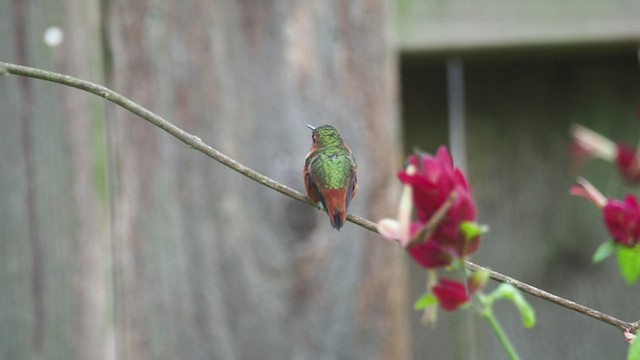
[
  {"x": 312, "y": 189},
  {"x": 353, "y": 187}
]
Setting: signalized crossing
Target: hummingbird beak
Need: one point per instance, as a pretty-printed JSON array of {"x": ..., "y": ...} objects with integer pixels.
[{"x": 311, "y": 127}]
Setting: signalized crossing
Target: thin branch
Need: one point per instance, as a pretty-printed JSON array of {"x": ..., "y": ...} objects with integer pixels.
[
  {"x": 196, "y": 143},
  {"x": 544, "y": 295}
]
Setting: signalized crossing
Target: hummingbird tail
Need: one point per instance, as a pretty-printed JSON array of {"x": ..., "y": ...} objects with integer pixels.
[
  {"x": 337, "y": 221},
  {"x": 335, "y": 205}
]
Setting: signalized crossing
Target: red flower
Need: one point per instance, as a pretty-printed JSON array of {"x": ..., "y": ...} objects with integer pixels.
[
  {"x": 432, "y": 184},
  {"x": 430, "y": 254},
  {"x": 622, "y": 219},
  {"x": 448, "y": 232},
  {"x": 628, "y": 164},
  {"x": 451, "y": 294}
]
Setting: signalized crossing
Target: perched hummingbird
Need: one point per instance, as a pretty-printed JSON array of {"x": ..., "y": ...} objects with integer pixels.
[{"x": 330, "y": 173}]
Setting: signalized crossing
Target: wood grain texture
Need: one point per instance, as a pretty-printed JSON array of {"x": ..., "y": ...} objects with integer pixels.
[
  {"x": 214, "y": 266},
  {"x": 144, "y": 249},
  {"x": 55, "y": 300},
  {"x": 86, "y": 141}
]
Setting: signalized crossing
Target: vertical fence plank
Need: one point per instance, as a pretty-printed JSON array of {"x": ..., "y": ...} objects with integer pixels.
[
  {"x": 56, "y": 298},
  {"x": 213, "y": 265}
]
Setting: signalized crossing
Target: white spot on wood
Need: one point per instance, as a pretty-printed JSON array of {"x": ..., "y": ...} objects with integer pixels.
[{"x": 53, "y": 36}]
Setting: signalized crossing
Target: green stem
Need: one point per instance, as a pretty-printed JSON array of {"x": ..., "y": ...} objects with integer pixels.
[{"x": 487, "y": 313}]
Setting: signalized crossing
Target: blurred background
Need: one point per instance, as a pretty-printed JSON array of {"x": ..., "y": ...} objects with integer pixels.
[{"x": 119, "y": 242}]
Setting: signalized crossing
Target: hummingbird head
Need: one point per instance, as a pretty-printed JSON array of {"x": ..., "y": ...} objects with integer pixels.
[{"x": 325, "y": 135}]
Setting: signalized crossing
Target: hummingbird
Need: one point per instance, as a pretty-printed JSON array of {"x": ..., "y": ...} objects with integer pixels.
[{"x": 330, "y": 173}]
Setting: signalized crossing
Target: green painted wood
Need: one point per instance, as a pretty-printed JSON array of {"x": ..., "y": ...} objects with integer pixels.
[{"x": 456, "y": 25}]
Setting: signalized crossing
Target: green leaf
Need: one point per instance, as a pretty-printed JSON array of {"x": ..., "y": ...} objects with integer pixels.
[
  {"x": 629, "y": 263},
  {"x": 510, "y": 292},
  {"x": 425, "y": 301},
  {"x": 634, "y": 349},
  {"x": 603, "y": 251},
  {"x": 471, "y": 229}
]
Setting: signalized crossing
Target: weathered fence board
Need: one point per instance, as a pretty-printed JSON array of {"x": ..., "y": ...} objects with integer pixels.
[{"x": 119, "y": 241}]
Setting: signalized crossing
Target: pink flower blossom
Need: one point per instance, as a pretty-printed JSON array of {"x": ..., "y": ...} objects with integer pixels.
[
  {"x": 589, "y": 192},
  {"x": 629, "y": 335},
  {"x": 429, "y": 254},
  {"x": 588, "y": 143}
]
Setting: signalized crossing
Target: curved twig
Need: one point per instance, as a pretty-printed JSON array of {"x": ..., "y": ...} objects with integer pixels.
[
  {"x": 196, "y": 143},
  {"x": 544, "y": 295}
]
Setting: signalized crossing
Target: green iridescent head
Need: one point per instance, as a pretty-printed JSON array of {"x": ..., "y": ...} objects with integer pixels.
[{"x": 325, "y": 135}]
